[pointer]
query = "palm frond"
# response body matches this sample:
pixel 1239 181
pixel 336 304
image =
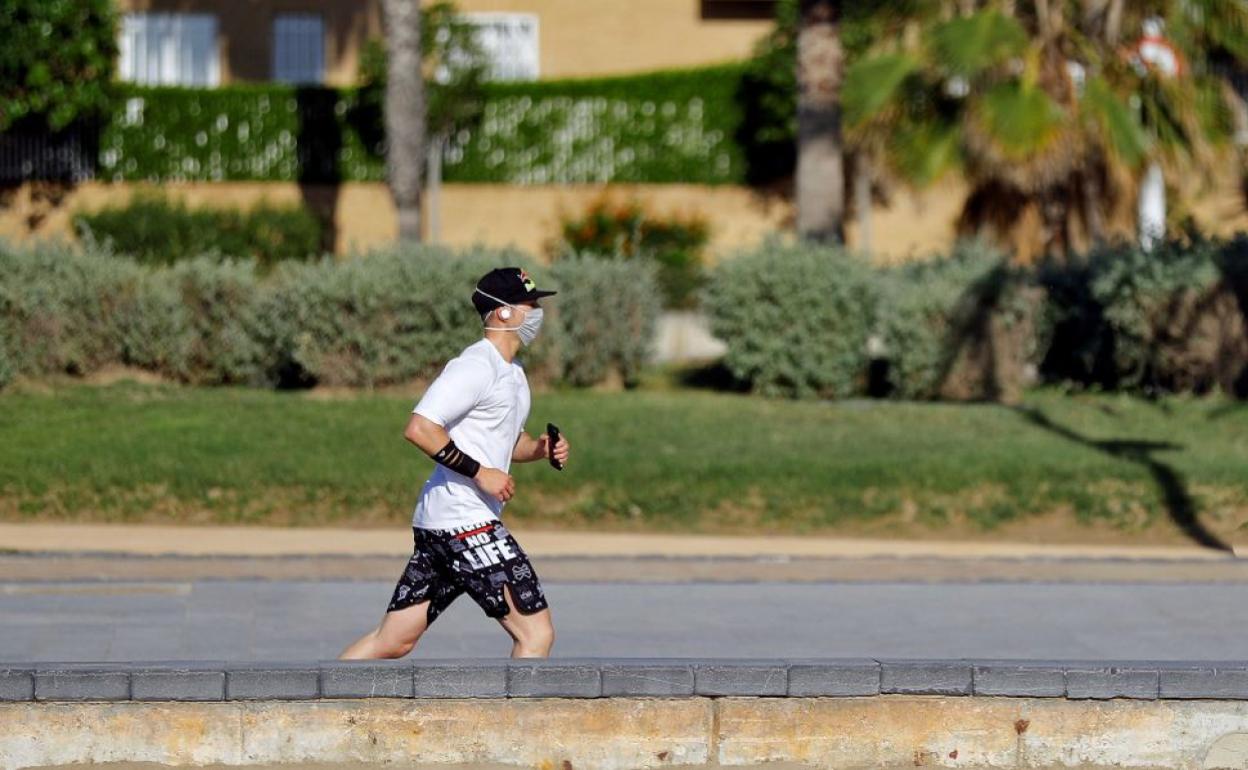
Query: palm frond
pixel 921 153
pixel 1019 118
pixel 872 83
pixel 968 45
pixel 1120 132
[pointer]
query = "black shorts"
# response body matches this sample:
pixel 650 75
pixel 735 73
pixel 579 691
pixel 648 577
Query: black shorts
pixel 478 559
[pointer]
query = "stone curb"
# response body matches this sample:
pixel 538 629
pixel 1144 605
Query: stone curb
pixel 621 677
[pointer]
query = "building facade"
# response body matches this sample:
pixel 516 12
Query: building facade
pixel 216 42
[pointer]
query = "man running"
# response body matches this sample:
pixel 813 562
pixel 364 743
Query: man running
pixel 471 422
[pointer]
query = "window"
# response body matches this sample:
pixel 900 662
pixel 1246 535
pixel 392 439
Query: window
pixel 298 48
pixel 510 42
pixel 170 49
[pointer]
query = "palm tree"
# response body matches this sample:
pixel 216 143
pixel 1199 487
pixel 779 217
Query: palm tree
pixel 1048 116
pixel 820 174
pixel 405 112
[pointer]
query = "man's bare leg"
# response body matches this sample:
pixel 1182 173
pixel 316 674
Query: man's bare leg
pixel 395 637
pixel 532 635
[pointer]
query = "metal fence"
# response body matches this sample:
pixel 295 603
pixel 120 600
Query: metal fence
pixel 32 152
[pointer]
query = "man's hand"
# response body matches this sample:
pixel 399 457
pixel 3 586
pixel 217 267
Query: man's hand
pixel 561 449
pixel 495 483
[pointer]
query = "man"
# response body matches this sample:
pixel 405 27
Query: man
pixel 471 422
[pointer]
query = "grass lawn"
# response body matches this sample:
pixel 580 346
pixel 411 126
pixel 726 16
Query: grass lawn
pixel 652 459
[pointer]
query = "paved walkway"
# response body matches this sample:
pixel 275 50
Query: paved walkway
pixel 79 592
pixel 273 620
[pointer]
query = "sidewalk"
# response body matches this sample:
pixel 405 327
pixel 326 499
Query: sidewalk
pixel 274 541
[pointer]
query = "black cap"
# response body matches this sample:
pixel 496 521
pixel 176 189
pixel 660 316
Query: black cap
pixel 510 284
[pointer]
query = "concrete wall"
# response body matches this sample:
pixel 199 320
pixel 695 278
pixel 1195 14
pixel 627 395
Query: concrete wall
pixel 616 714
pixel 577 38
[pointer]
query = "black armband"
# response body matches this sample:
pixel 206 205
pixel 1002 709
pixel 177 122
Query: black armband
pixel 454 458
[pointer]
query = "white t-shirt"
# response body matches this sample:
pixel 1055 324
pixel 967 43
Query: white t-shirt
pixel 482 401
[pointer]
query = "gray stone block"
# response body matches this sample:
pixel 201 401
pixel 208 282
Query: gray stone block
pixel 833 678
pixel 366 679
pixel 1104 681
pixel 1219 681
pixel 178 681
pixel 726 678
pixel 17 683
pixel 81 681
pixel 460 679
pixel 548 679
pixel 925 677
pixel 272 681
pixel 1019 678
pixel 631 678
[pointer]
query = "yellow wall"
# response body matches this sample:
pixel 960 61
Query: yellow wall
pixel 577 38
pixel 911 225
pixel 595 37
pixel 363 214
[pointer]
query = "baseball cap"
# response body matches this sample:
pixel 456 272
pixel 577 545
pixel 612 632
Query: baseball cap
pixel 509 284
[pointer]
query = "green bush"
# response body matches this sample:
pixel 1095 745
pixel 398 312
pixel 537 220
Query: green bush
pixel 400 314
pixel 57 61
pixel 677 126
pixel 222 341
pixel 961 326
pixel 606 314
pixel 156 230
pixel 1167 320
pixel 796 319
pixel 629 231
pixel 387 317
pixel 61 309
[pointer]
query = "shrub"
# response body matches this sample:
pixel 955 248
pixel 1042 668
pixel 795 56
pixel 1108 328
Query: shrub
pixel 606 314
pixel 795 318
pixel 960 327
pixel 629 231
pixel 218 329
pixel 58 60
pixel 1167 320
pixel 400 314
pixel 159 231
pixel 383 318
pixel 61 309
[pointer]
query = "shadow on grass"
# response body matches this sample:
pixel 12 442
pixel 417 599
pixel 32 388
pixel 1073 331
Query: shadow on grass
pixel 711 376
pixel 1179 503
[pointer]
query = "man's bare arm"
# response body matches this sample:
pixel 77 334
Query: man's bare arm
pixel 528 449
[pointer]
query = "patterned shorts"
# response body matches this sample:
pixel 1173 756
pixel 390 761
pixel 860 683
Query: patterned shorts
pixel 478 559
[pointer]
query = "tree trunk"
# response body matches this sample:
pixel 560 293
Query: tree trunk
pixel 1113 22
pixel 862 201
pixel 820 173
pixel 405 112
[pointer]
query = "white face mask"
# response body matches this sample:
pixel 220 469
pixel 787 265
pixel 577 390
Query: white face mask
pixel 528 328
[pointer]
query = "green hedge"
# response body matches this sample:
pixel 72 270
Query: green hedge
pixel 387 317
pixel 154 229
pixel 808 321
pixel 677 126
